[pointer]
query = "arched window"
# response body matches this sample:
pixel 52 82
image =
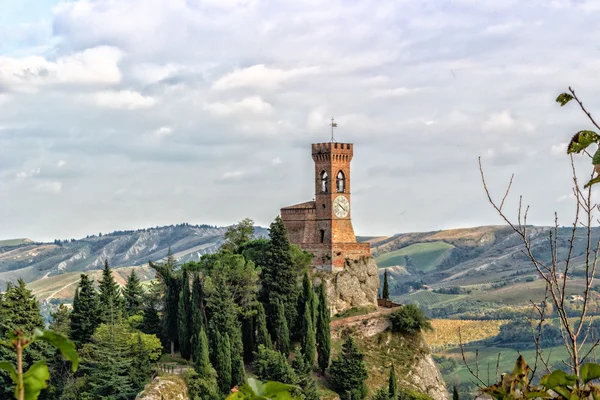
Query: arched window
pixel 322 235
pixel 324 182
pixel 340 182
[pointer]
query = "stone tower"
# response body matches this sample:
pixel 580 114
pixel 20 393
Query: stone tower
pixel 323 226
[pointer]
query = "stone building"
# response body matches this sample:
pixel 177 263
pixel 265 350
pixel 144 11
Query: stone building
pixel 323 226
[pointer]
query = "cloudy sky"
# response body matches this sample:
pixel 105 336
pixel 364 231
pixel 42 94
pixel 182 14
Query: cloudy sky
pixel 122 114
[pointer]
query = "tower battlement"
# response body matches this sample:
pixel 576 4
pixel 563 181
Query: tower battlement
pixel 324 151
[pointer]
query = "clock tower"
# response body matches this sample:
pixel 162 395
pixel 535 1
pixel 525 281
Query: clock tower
pixel 324 226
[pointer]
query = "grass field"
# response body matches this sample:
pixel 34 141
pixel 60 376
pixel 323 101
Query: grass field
pixel 424 256
pixel 427 298
pixel 521 293
pixel 13 242
pixel 445 332
pixel 488 357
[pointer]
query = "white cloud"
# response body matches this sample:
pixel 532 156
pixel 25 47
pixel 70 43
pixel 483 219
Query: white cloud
pixel 233 176
pixel 61 163
pixel 397 92
pixel 163 131
pixel 28 174
pixel 502 29
pixel 276 161
pixel 559 149
pixel 97 65
pixel 124 99
pixel 260 76
pixel 150 73
pixel 49 187
pixel 504 122
pixel 249 105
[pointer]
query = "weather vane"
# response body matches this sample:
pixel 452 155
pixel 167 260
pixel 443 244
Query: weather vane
pixel 333 125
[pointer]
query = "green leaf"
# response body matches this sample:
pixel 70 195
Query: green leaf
pixel 8 367
pixel 596 158
pixel 564 98
pixel 581 140
pixel 35 379
pixel 589 372
pixel 559 381
pixel 66 347
pixel 273 388
pixel 592 182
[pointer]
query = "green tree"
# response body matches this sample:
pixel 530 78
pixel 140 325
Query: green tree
pixel 309 339
pixel 237 235
pixel 271 365
pixel 282 334
pixel 382 394
pixel 61 320
pixel 151 323
pixel 202 387
pixel 109 296
pixel 201 354
pixel 323 330
pixel 133 294
pixel 409 319
pixel 348 372
pixel 305 379
pixel 392 386
pixel 140 368
pixel 222 361
pixel 171 283
pixel 386 289
pixel 84 317
pixel 262 334
pixel 279 277
pixel 184 317
pixel 198 319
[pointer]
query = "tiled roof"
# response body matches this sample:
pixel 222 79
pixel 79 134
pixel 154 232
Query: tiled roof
pixel 306 205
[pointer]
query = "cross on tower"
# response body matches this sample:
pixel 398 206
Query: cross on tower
pixel 333 124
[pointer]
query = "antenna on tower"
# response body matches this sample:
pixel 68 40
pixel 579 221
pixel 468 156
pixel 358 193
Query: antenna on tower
pixel 333 125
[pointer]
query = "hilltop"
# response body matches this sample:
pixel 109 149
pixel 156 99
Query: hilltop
pixel 33 261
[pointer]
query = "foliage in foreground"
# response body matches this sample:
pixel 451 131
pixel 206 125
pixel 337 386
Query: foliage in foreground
pixel 257 390
pixel 409 319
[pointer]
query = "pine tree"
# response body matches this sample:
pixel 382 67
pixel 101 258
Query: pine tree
pixel 305 379
pixel 386 289
pixel 222 362
pixel 323 330
pixel 279 278
pixel 133 294
pixel 140 367
pixel 84 317
pixel 309 339
pixel 262 334
pixel 392 387
pixel 282 334
pixel 184 317
pixel 455 395
pixel 109 296
pixel 271 365
pixel 172 284
pixel 61 320
pixel 348 372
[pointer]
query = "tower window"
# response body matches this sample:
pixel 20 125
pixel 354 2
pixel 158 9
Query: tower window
pixel 324 182
pixel 340 182
pixel 322 235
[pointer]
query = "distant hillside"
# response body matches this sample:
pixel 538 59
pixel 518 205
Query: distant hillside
pixel 30 261
pixel 487 264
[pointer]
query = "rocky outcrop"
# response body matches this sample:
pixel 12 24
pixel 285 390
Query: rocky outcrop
pixel 355 286
pixel 426 377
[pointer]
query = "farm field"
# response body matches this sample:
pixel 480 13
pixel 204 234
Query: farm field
pixel 521 293
pixel 425 256
pixel 488 357
pixel 445 332
pixel 13 242
pixel 427 298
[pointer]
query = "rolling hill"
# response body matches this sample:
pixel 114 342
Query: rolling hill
pixel 30 261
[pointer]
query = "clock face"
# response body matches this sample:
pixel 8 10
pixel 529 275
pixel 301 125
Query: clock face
pixel 341 206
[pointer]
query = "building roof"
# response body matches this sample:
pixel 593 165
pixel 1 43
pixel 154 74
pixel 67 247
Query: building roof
pixel 302 206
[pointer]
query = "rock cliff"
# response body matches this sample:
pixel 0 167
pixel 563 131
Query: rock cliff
pixel 355 286
pixel 168 387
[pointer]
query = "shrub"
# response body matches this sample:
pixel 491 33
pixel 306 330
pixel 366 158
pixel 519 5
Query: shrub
pixel 410 394
pixel 409 319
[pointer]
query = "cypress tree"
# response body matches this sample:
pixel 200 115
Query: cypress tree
pixel 305 300
pixel 262 334
pixel 109 296
pixel 172 285
pixel 323 330
pixel 248 338
pixel 201 355
pixel 309 340
pixel 282 334
pixel 133 294
pixel 197 311
pixel 184 318
pixel 84 317
pixel 305 380
pixel 279 278
pixel 222 362
pixel 392 388
pixel 386 289
pixel 151 320
pixel 348 372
